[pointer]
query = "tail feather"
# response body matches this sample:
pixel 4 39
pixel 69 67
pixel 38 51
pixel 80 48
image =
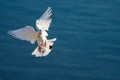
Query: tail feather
pixel 39 52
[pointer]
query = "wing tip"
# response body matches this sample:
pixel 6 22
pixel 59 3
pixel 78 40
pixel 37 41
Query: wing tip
pixel 10 32
pixel 49 8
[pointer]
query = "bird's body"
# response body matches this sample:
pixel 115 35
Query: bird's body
pixel 29 34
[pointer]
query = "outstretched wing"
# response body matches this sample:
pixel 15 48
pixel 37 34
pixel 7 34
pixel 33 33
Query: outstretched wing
pixel 28 33
pixel 44 21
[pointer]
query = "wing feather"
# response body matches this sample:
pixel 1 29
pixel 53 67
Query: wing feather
pixel 44 21
pixel 28 33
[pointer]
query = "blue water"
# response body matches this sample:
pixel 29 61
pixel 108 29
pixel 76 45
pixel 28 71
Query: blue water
pixel 87 46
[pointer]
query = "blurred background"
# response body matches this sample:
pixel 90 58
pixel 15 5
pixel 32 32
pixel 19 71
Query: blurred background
pixel 87 46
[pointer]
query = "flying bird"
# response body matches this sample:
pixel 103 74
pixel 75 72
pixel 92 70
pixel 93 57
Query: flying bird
pixel 29 34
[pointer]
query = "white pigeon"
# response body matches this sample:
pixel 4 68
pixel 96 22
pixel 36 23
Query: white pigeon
pixel 29 34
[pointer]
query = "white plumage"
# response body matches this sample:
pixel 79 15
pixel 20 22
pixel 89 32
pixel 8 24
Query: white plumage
pixel 29 34
pixel 44 21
